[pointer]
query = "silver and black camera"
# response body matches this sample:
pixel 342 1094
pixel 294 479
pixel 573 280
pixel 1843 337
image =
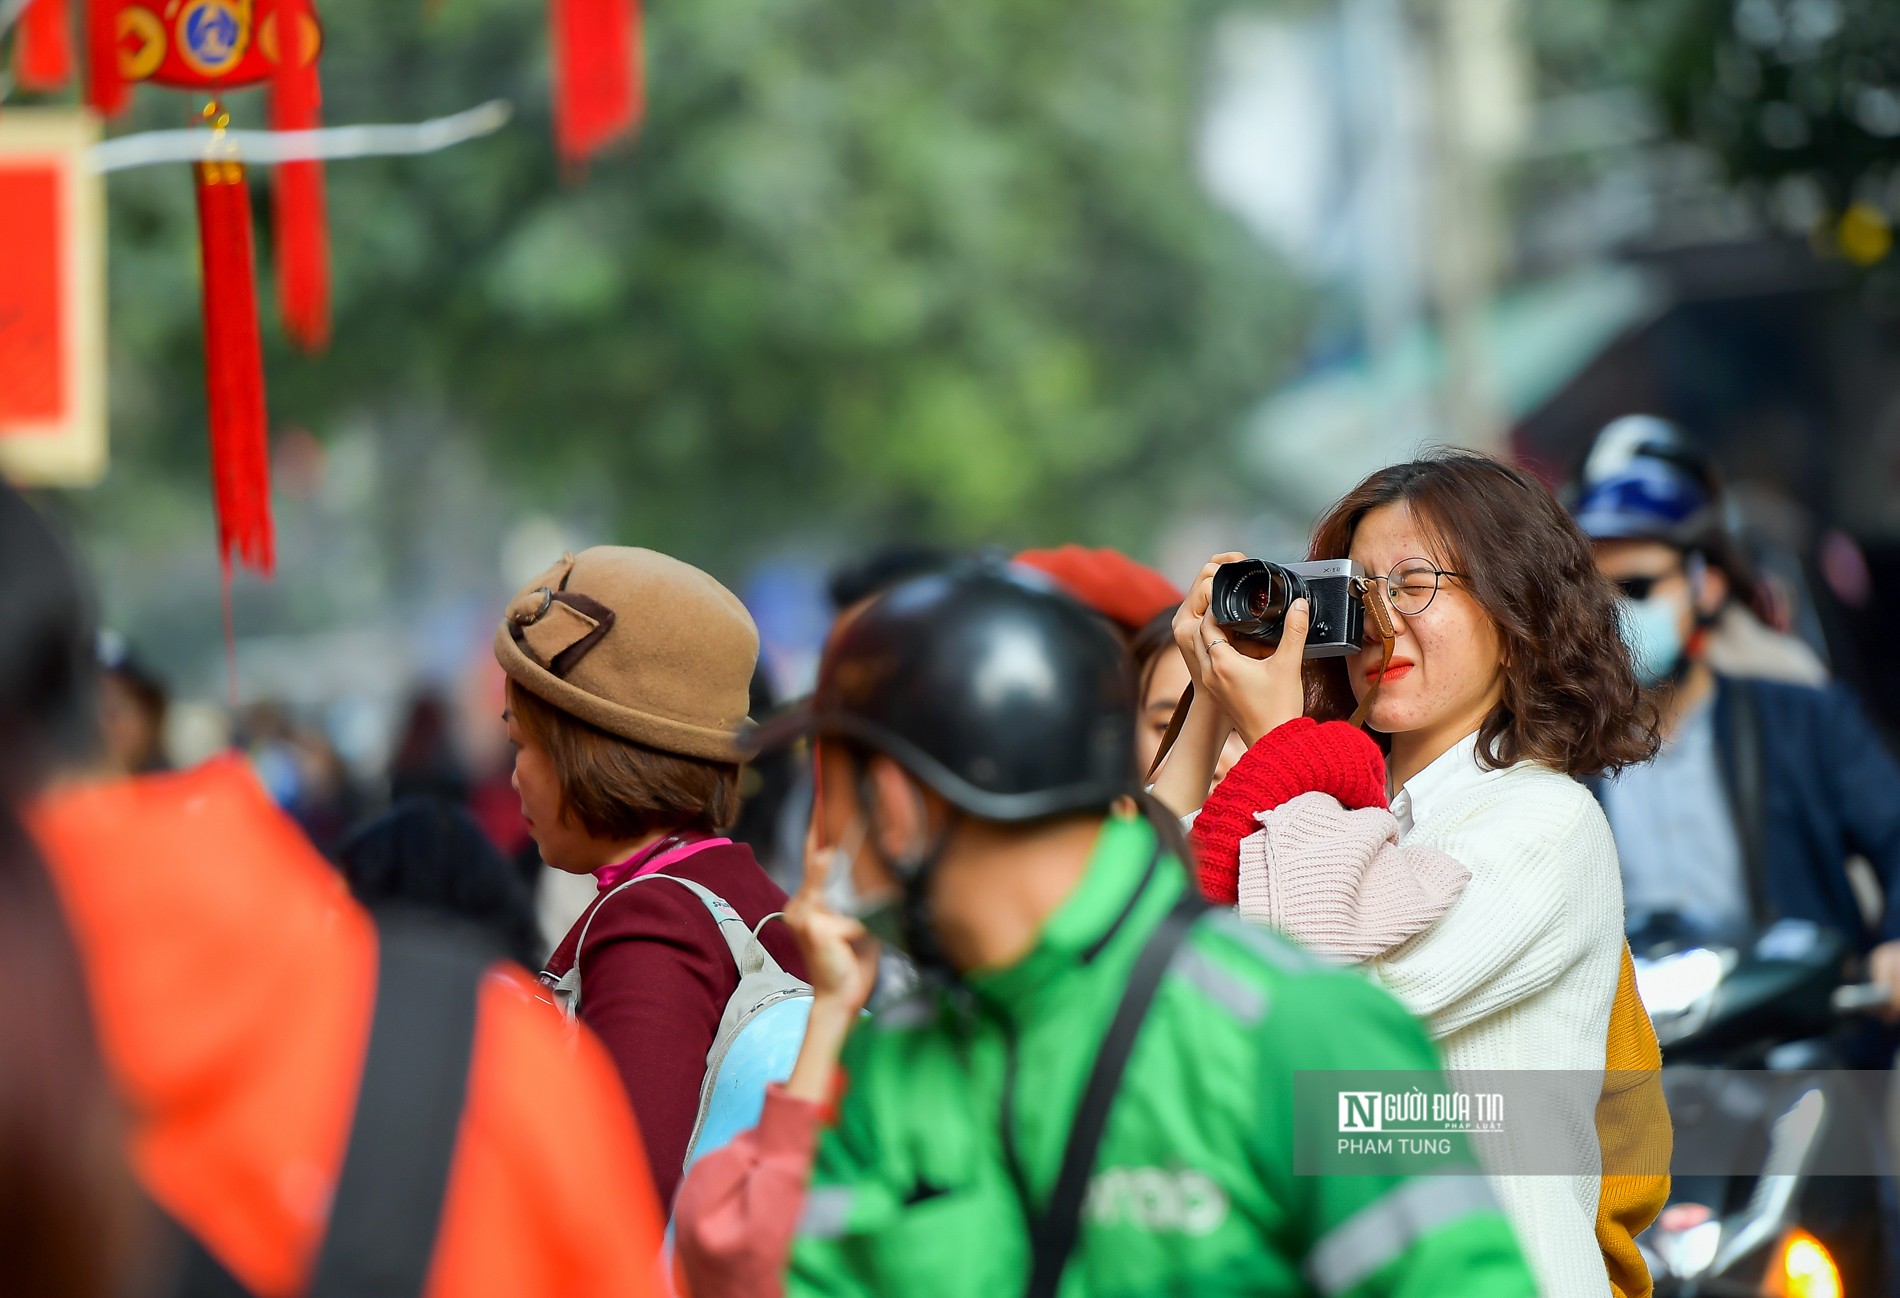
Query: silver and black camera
pixel 1250 599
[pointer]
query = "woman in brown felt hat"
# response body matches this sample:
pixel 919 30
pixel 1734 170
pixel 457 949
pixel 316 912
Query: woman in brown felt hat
pixel 628 675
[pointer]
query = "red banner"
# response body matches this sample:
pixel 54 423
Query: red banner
pixel 52 416
pixel 32 315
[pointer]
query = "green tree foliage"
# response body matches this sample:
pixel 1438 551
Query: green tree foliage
pixel 938 268
pixel 1788 88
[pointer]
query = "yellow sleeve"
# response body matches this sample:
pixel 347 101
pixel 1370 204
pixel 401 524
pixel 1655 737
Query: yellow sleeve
pixel 1634 1132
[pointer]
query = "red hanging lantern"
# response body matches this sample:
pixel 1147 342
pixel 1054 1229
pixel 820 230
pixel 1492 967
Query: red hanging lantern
pixel 106 88
pixel 213 46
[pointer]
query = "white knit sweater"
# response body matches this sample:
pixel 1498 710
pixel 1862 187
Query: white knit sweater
pixel 1501 892
pixel 1521 971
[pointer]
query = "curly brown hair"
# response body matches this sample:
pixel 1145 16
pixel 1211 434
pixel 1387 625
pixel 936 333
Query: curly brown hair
pixel 1571 698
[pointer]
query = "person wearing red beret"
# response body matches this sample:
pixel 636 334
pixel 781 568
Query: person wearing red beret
pixel 1127 593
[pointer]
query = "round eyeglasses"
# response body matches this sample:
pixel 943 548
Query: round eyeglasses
pixel 1412 585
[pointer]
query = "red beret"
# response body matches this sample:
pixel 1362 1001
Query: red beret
pixel 1108 581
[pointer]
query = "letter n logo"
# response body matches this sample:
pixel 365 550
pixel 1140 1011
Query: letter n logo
pixel 1359 1111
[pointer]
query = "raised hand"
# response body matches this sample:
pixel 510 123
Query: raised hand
pixel 840 957
pixel 1258 693
pixel 1193 611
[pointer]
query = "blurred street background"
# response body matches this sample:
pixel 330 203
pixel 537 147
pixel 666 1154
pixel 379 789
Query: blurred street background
pixel 1167 277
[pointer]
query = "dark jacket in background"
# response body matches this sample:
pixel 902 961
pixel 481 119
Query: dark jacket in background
pixel 1811 784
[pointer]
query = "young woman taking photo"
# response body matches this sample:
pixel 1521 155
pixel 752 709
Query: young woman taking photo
pixel 1507 684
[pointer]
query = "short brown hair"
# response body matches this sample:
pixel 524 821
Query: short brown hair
pixel 1571 698
pixel 618 789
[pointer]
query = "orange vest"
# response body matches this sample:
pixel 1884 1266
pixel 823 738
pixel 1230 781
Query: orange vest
pixel 232 979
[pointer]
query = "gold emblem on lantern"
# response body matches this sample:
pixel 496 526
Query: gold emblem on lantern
pixel 141 43
pixel 213 35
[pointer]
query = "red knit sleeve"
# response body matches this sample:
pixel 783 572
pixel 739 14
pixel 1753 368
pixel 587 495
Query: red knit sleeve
pixel 1302 756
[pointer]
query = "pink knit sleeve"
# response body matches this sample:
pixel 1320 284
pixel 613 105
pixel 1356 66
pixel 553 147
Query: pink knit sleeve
pixel 737 1208
pixel 1339 881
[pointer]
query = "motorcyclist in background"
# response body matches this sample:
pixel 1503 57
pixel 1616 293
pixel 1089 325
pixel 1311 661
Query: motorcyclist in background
pixel 1765 788
pixel 1749 636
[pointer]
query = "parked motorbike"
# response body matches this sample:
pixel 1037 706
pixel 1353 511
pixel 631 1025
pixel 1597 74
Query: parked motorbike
pixel 1753 1032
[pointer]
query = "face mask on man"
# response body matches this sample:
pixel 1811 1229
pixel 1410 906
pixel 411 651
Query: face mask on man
pixel 1652 628
pixel 882 913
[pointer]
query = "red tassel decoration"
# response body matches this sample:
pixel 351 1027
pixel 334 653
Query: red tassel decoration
pixel 300 229
pixel 46 45
pixel 302 236
pixel 234 369
pixel 106 89
pixel 598 81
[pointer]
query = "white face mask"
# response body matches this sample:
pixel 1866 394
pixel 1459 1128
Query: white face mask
pixel 882 913
pixel 1651 628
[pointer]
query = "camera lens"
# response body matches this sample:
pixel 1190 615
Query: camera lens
pixel 1265 595
pixel 1251 597
pixel 1262 599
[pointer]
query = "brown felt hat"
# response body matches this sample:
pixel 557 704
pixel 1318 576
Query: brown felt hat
pixel 639 644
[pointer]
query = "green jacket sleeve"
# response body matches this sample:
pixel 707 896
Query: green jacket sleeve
pixel 1388 1233
pixel 843 1175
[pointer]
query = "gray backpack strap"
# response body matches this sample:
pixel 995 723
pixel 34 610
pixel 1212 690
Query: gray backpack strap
pixel 762 982
pixel 756 957
pixel 742 941
pixel 567 988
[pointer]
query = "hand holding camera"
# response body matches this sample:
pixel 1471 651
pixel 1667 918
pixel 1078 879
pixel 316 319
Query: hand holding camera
pixel 1255 600
pixel 1250 671
pixel 1190 620
pixel 1252 598
pixel 1259 693
pixel 1250 624
pixel 1245 630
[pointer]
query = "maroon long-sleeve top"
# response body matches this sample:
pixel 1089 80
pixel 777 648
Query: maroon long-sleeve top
pixel 655 978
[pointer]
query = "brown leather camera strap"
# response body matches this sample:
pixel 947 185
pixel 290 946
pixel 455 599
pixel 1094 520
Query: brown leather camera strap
pixel 1381 618
pixel 1172 733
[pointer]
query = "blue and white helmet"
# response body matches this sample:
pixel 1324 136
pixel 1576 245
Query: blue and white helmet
pixel 1645 479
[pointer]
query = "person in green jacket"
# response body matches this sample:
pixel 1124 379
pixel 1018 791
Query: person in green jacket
pixel 1092 1092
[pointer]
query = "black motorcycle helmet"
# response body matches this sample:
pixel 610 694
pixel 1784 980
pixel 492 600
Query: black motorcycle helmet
pixel 1006 697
